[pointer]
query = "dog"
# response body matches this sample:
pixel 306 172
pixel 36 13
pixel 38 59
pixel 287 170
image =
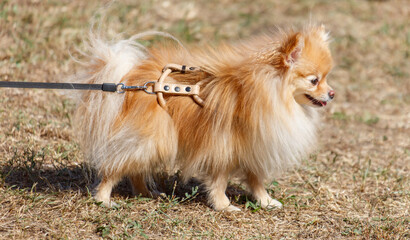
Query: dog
pixel 257 115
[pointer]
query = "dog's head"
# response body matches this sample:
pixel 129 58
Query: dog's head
pixel 304 59
pixel 307 58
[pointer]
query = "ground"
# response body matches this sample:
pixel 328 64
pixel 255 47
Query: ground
pixel 355 185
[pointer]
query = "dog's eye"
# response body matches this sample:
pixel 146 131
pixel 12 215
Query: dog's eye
pixel 314 81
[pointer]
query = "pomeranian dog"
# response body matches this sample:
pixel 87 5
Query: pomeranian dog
pixel 254 113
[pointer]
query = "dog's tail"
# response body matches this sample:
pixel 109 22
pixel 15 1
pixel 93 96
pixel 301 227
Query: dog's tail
pixel 97 111
pixel 104 62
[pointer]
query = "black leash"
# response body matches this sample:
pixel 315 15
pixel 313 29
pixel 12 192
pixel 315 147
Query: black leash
pixel 106 87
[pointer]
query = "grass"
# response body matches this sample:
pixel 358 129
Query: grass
pixel 355 186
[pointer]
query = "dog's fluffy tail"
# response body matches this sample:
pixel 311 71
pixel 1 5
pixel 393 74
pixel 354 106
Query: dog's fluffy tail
pixel 105 62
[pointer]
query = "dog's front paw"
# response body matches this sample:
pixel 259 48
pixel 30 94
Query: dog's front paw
pixel 108 204
pixel 229 208
pixel 105 202
pixel 113 205
pixel 232 208
pixel 270 203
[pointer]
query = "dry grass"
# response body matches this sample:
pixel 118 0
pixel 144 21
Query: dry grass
pixel 356 186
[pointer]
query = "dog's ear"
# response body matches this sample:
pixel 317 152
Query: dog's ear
pixel 284 54
pixel 291 49
pixel 323 34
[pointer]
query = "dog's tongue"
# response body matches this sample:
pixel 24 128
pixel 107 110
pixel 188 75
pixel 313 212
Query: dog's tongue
pixel 323 103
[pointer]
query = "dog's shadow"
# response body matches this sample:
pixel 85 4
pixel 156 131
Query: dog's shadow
pixel 32 176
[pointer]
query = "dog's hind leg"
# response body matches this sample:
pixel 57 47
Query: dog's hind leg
pixel 139 185
pixel 142 186
pixel 104 189
pixel 259 192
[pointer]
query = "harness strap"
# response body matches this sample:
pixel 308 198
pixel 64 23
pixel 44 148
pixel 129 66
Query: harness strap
pixel 162 87
pixel 176 89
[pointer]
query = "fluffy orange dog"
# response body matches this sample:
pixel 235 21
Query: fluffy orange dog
pixel 258 118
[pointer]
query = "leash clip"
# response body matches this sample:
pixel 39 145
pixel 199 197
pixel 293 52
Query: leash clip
pixel 121 87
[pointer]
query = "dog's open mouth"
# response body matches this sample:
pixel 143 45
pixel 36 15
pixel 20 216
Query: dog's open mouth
pixel 315 101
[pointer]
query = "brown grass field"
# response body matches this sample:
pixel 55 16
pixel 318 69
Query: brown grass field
pixel 354 186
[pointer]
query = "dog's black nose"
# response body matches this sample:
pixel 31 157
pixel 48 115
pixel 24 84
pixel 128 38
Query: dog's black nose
pixel 331 94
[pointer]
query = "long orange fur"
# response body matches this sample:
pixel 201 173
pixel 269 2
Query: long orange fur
pixel 257 120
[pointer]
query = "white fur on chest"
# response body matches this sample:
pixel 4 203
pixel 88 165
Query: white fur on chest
pixel 284 137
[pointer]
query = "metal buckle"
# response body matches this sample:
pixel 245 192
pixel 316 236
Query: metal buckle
pixel 146 87
pixel 120 89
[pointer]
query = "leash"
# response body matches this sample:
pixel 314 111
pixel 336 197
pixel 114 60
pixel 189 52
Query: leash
pixel 106 87
pixel 159 87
